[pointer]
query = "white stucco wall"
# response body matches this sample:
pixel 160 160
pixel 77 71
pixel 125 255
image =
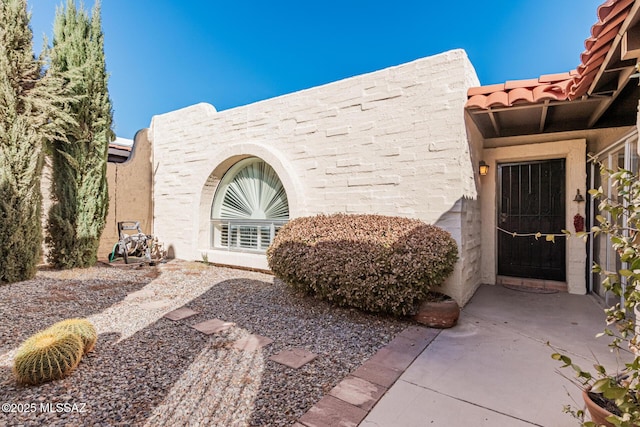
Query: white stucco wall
pixel 391 142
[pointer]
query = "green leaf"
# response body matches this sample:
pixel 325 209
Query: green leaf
pixel 626 273
pixel 561 357
pixel 601 385
pixel 615 393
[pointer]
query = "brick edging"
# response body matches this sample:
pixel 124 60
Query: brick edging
pixel 349 402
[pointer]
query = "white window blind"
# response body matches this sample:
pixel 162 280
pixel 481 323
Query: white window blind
pixel 249 208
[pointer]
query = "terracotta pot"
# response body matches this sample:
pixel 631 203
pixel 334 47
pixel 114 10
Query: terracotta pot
pixel 438 314
pixel 598 414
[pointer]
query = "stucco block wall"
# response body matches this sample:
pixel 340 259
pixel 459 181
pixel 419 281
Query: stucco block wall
pixel 130 186
pixel 391 142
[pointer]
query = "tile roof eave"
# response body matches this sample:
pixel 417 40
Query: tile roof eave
pixel 572 85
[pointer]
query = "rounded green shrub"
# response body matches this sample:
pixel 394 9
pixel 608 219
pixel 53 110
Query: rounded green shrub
pixel 46 356
pixel 81 327
pixel 372 262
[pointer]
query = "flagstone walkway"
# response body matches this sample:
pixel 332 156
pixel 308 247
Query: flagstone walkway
pixel 348 403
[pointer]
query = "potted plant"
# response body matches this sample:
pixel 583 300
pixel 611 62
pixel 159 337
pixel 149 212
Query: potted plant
pixel 613 398
pixel 438 311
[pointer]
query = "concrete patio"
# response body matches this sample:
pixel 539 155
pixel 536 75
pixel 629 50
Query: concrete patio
pixel 494 368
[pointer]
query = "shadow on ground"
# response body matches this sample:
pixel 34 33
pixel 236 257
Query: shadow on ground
pixel 170 374
pixel 27 309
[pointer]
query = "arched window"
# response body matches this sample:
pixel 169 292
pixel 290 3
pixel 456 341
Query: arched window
pixel 249 207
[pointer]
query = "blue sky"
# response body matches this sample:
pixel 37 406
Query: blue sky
pixel 163 55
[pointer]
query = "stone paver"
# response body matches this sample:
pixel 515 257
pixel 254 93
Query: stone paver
pixel 333 412
pixel 393 358
pixel 378 374
pixel 180 314
pixel 294 358
pixel 358 392
pixel 252 343
pixel 213 326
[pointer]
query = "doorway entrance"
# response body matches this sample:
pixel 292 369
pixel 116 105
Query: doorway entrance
pixel 531 200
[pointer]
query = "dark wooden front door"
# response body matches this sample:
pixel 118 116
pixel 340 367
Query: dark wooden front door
pixel 531 200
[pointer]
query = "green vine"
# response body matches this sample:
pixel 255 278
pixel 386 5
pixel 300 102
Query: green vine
pixel 620 221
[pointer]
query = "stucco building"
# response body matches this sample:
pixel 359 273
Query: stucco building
pixel 409 140
pixel 392 142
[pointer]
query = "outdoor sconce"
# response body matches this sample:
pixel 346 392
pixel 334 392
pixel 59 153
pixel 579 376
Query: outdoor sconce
pixel 483 168
pixel 578 197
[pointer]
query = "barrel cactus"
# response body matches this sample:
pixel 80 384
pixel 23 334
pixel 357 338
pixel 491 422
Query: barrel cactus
pixel 46 356
pixel 81 327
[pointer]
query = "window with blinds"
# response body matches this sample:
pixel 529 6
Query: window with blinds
pixel 249 208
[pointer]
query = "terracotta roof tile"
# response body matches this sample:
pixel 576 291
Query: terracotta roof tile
pixel 520 94
pixel 498 99
pixel 523 91
pixel 549 92
pixel 477 101
pixel 484 90
pixel 549 78
pixel 605 9
pixel 570 85
pixel 593 44
pixel 514 84
pixel 120 147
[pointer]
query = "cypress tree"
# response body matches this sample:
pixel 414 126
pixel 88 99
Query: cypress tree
pixel 28 116
pixel 80 194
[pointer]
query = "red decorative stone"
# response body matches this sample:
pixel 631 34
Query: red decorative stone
pixel 294 358
pixel 252 343
pixel 213 326
pixel 180 314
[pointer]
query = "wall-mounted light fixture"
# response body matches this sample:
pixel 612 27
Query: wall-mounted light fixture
pixel 483 168
pixel 578 197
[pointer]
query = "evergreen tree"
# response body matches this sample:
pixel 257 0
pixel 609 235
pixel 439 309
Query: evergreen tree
pixel 28 117
pixel 79 160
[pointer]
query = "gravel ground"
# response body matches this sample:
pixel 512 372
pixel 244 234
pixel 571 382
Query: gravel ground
pixel 150 371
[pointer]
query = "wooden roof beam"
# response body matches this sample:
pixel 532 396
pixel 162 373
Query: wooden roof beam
pixel 543 115
pixel 623 79
pixel 494 122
